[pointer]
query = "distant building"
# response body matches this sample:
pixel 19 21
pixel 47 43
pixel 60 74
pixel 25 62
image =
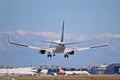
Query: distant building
pixel 113 69
pixel 98 69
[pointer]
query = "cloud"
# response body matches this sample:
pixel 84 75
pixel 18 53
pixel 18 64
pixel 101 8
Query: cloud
pixel 107 36
pixel 97 36
pixel 68 37
pixel 2 47
pixel 44 34
pixel 21 32
pixel 50 35
pixel 82 37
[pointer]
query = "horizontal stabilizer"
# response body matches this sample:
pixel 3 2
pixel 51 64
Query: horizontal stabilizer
pixel 73 43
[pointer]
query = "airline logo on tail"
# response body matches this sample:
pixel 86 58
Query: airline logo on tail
pixel 62 71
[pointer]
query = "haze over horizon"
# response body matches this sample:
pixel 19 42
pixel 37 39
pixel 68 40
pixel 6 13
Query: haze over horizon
pixel 33 21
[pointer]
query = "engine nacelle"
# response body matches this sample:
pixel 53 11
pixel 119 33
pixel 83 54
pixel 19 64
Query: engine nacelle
pixel 42 51
pixel 71 53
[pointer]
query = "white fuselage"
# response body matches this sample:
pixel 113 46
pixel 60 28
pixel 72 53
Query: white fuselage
pixel 77 73
pixel 27 70
pixel 73 72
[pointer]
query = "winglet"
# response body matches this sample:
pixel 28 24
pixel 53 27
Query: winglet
pixel 8 39
pixel 62 36
pixel 110 42
pixel 16 43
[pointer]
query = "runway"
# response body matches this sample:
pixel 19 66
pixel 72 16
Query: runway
pixel 92 77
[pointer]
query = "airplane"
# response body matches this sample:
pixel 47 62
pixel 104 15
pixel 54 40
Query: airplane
pixel 63 72
pixel 59 46
pixel 20 71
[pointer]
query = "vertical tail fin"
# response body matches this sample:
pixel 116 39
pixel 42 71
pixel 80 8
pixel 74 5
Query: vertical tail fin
pixel 61 70
pixel 62 36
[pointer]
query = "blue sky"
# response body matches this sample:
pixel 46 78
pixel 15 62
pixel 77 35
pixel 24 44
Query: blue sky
pixel 82 17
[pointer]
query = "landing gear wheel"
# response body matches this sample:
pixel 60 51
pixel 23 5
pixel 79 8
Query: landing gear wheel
pixel 49 55
pixel 66 56
pixel 53 54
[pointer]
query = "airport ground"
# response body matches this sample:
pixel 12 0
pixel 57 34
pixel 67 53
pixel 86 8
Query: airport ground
pixel 92 77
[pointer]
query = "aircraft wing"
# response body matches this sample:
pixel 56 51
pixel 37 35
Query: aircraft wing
pixel 32 47
pixel 67 50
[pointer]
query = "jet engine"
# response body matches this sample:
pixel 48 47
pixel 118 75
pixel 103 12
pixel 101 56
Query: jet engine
pixel 71 53
pixel 42 51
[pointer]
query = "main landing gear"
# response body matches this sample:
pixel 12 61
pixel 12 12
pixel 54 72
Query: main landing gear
pixel 50 55
pixel 66 56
